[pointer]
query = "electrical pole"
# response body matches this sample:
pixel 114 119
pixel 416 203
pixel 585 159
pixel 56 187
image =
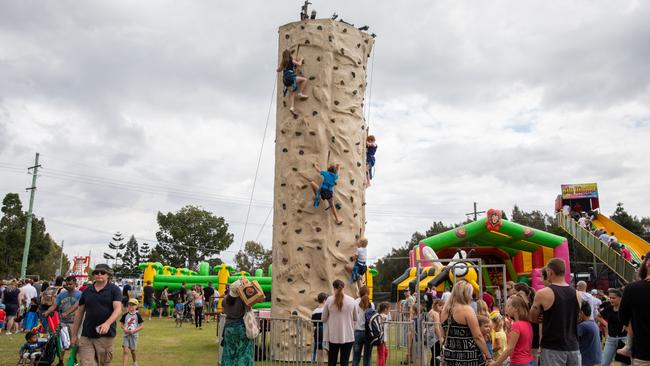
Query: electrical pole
pixel 60 270
pixel 28 229
pixel 475 213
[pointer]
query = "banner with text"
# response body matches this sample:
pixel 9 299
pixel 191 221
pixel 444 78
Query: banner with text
pixel 577 191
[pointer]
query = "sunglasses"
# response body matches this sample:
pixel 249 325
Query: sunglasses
pixel 99 273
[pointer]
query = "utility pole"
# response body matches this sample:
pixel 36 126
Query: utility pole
pixel 60 270
pixel 28 229
pixel 475 213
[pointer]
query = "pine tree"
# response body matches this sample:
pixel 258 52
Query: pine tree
pixel 118 246
pixel 145 252
pixel 131 257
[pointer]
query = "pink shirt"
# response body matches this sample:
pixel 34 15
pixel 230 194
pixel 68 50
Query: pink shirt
pixel 340 323
pixel 522 355
pixel 626 254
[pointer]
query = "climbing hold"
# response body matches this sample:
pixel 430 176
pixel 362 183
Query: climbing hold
pixel 298 231
pixel 358 143
pixel 361 105
pixel 334 265
pixel 338 206
pixel 336 67
pixel 302 27
pixel 342 51
pixel 342 82
pixel 345 30
pixel 301 152
pixel 294 313
pixel 284 223
pixel 352 110
pixel 303 186
pixel 338 242
pixel 352 199
pixel 286 36
pixel 289 279
pixel 318 247
pixel 308 265
pixel 285 150
pixel 318 58
pixel 322 279
pixel 283 184
pixel 295 115
pixel 312 133
pixel 284 242
pixel 331 38
pixel 366 41
pixel 351 259
pixel 318 230
pixel 333 139
pixel 358 45
pixel 346 150
pixel 356 236
pixel 300 249
pixel 284 103
pixel 285 260
pixel 358 164
pixel 282 132
pixel 352 181
pixel 354 92
pixel 320 27
pixel 312 78
pixel 307 42
pixel 360 86
pixel 278 300
pixel 299 211
pixel 336 102
pixel 294 169
pixel 354 75
pixel 355 215
pixel 302 292
pixel 332 120
pixel 284 206
pixel 363 204
pixel 298 133
pixel 359 62
pixel 314 113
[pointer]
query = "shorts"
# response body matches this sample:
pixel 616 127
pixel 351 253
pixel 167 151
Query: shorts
pixel 326 194
pixel 95 351
pixel 148 304
pixel 31 355
pixel 358 270
pixel 11 309
pixel 289 79
pixel 163 303
pixel 130 341
pixel 551 357
pixel 2 325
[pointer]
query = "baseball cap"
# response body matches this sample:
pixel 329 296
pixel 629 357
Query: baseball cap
pixel 134 301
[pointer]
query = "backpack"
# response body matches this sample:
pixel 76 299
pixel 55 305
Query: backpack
pixel 374 328
pixel 48 297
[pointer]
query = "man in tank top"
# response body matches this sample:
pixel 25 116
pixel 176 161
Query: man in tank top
pixel 557 307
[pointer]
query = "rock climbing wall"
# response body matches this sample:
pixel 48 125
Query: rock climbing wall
pixel 309 249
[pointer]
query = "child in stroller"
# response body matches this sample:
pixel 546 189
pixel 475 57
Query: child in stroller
pixel 36 352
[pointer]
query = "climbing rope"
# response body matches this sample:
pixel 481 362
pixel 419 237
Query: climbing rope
pixel 259 159
pixel 257 238
pixel 372 71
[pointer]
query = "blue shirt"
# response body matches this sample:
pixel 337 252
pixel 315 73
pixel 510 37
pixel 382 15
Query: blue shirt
pixel 65 300
pixel 589 339
pixel 329 179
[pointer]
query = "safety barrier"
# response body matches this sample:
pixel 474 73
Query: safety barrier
pixel 293 341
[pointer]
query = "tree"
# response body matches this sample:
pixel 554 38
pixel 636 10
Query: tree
pixel 253 256
pixel 12 238
pixel 118 246
pixel 145 252
pixel 190 235
pixel 628 221
pixel 48 266
pixel 131 257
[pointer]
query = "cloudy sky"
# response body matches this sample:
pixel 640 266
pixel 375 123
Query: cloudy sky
pixel 144 106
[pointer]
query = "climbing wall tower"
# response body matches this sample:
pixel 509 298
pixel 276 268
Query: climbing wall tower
pixel 309 249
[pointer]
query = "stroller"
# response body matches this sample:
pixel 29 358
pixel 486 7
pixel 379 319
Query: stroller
pixel 52 348
pixel 187 312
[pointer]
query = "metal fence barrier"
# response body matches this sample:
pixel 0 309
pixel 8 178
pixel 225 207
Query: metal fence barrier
pixel 293 341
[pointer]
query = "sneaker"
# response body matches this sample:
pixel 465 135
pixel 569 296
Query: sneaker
pixel 8 333
pixel 303 96
pixel 135 364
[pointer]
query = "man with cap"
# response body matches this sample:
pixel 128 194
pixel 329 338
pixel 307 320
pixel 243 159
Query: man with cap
pixel 101 304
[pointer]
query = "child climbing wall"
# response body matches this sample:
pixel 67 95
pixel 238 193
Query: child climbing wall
pixel 310 250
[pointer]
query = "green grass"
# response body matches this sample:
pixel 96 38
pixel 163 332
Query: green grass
pixel 160 343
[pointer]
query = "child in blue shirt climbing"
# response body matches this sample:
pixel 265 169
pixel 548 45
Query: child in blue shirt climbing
pixel 326 189
pixel 358 268
pixel 371 149
pixel 290 79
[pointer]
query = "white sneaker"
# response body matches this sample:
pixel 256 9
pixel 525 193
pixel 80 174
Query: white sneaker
pixel 135 364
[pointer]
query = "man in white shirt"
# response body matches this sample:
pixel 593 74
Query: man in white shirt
pixel 28 292
pixel 594 302
pixel 612 238
pixel 604 238
pixel 582 221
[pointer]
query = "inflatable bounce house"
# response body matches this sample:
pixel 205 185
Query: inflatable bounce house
pixel 161 275
pixel 523 250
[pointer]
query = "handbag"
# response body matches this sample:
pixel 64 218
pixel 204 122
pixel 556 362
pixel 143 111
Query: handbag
pixel 252 328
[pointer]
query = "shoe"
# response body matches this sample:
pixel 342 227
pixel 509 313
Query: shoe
pixel 8 333
pixel 135 364
pixel 303 96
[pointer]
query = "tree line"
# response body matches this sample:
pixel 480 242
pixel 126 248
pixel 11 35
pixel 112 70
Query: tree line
pixel 44 252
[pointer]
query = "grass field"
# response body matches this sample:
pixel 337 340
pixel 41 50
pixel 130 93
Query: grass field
pixel 160 343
